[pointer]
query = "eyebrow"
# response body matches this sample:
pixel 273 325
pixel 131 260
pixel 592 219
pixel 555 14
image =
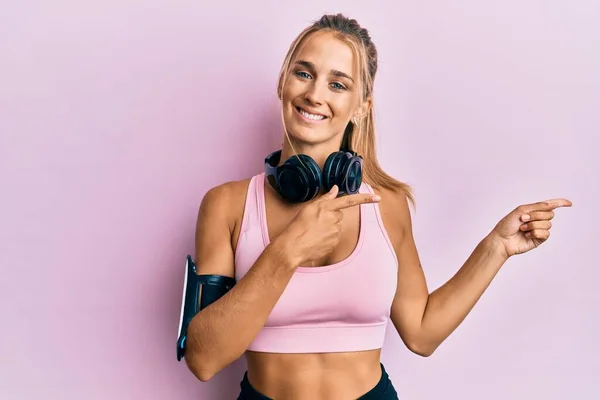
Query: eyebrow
pixel 334 72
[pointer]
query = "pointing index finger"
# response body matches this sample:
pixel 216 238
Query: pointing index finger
pixel 556 203
pixel 352 200
pixel 548 205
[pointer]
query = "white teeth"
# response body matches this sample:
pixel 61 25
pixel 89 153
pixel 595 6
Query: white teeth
pixel 311 116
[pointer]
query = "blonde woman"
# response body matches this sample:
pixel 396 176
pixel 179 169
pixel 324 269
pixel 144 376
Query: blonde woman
pixel 301 267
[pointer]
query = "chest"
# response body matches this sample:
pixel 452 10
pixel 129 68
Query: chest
pixel 279 216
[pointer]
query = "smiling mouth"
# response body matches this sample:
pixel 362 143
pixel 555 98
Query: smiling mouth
pixel 309 116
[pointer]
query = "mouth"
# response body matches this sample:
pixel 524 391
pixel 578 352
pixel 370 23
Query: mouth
pixel 310 116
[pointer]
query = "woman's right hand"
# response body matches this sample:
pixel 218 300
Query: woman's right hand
pixel 315 230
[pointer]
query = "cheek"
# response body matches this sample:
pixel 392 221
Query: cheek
pixel 342 108
pixel 290 90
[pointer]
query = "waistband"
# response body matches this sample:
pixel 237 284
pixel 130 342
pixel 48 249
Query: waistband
pixel 383 390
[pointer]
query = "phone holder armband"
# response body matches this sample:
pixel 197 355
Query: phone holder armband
pixel 199 291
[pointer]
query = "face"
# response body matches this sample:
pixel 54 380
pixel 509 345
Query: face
pixel 321 93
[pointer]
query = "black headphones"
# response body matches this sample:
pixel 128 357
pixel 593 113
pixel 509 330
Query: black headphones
pixel 300 179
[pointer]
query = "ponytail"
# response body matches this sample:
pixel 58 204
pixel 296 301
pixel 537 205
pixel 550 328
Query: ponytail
pixel 361 138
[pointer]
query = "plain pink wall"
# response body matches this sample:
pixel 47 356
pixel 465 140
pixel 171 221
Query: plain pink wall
pixel 117 117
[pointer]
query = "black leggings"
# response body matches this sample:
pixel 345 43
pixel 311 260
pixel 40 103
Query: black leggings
pixel 383 390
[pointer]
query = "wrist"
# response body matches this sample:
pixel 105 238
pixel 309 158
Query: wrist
pixel 495 246
pixel 283 251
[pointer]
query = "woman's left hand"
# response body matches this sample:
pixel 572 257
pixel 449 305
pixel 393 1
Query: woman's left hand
pixel 526 227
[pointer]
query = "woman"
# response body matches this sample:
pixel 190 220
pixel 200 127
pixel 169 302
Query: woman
pixel 321 265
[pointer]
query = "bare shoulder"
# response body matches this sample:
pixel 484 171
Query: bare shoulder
pixel 218 216
pixel 395 213
pixel 223 202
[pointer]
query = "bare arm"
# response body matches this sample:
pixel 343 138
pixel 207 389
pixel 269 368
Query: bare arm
pixel 220 333
pixel 425 320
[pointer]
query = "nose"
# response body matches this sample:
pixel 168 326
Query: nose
pixel 315 94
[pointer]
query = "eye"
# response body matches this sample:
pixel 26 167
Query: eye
pixel 338 86
pixel 303 74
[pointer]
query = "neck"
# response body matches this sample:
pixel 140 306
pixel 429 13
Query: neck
pixel 318 152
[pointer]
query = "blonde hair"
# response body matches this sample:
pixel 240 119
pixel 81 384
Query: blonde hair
pixel 359 135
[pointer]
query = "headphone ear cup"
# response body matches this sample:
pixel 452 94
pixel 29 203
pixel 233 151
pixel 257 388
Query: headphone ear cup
pixel 299 179
pixel 332 170
pixel 352 174
pixel 343 169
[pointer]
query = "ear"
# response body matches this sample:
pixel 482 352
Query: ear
pixel 362 111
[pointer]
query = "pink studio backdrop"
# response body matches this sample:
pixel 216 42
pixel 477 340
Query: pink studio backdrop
pixel 117 117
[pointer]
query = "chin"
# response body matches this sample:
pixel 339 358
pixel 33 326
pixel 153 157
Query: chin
pixel 304 133
pixel 308 136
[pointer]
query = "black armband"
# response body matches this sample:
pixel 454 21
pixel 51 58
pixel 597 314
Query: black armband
pixel 199 291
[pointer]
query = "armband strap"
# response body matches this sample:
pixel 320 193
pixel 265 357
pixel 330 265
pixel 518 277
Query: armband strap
pixel 199 291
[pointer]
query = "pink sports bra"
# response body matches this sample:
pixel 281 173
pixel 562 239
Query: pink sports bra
pixel 340 307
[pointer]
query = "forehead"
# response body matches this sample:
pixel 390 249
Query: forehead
pixel 327 52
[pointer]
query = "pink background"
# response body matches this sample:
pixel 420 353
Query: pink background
pixel 117 117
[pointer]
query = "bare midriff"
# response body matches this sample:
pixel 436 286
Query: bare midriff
pixel 328 376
